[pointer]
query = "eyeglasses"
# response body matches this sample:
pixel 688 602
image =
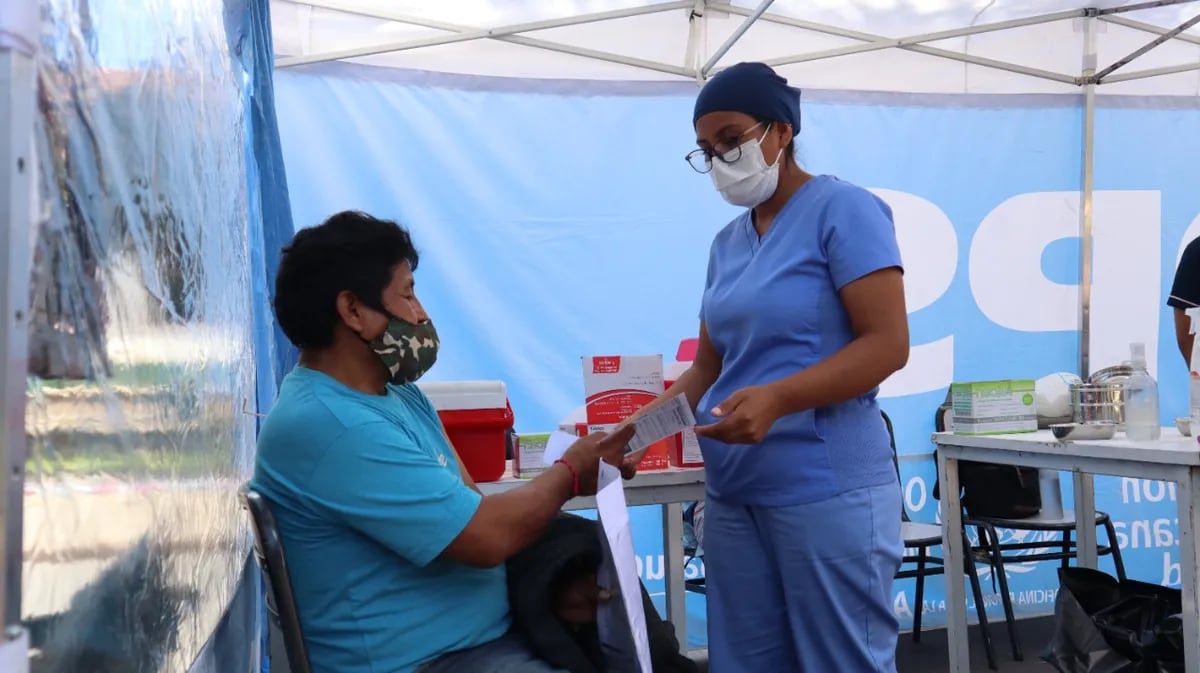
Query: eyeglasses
pixel 727 151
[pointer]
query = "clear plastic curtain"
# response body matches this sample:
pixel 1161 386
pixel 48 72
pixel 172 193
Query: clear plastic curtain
pixel 141 363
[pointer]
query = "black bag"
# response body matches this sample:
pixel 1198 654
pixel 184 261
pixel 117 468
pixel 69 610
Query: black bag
pixel 991 491
pixel 1105 626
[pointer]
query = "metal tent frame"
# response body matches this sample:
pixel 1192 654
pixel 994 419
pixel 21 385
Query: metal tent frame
pixel 18 78
pixel 700 9
pixel 1088 79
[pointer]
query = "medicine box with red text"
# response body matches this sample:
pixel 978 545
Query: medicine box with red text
pixel 616 386
pixel 657 456
pixel 477 417
pixel 684 446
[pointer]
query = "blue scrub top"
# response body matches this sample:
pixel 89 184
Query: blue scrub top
pixel 772 308
pixel 367 495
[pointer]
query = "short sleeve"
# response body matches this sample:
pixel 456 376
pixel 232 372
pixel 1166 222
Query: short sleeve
pixel 376 480
pixel 426 404
pixel 859 236
pixel 1185 291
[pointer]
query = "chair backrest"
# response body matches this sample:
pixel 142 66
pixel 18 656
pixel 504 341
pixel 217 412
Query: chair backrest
pixel 895 462
pixel 280 600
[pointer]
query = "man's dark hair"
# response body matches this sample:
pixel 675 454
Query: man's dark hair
pixel 351 251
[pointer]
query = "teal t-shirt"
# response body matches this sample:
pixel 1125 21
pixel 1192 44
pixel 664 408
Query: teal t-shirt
pixel 367 494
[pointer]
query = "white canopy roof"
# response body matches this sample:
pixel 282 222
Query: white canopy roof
pixel 937 46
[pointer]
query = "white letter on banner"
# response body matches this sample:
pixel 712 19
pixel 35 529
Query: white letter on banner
pixel 929 250
pixel 1006 263
pixel 1127 300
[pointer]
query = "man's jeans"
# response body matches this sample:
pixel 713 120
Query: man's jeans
pixel 507 654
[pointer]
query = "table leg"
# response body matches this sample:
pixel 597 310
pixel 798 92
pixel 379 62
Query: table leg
pixel 1189 553
pixel 1085 521
pixel 952 545
pixel 674 576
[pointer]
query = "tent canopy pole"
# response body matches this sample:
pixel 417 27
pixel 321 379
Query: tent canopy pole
pixel 875 43
pixel 502 33
pixel 17 94
pixel 1086 196
pixel 1152 4
pixel 872 42
pixel 735 36
pixel 1140 51
pixel 1126 22
pixel 886 42
pixel 1151 72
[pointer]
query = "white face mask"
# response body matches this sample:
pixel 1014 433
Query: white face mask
pixel 748 181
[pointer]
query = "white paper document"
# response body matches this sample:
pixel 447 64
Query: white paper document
pixel 620 565
pixel 556 445
pixel 669 419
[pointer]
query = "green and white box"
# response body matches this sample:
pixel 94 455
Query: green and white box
pixel 531 451
pixel 993 407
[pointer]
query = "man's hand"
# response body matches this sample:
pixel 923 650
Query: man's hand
pixel 577 602
pixel 745 417
pixel 584 456
pixel 629 464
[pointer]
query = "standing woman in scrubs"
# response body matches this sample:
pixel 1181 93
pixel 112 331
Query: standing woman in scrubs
pixel 802 318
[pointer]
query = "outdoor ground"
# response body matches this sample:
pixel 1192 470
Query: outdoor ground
pixel 930 656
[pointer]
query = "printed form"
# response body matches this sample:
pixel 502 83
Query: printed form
pixel 669 419
pixel 620 564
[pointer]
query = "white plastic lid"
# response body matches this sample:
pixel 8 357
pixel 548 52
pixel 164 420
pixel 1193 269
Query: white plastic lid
pixel 465 395
pixel 675 370
pixel 1137 353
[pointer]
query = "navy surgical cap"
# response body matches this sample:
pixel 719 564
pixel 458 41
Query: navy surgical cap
pixel 753 89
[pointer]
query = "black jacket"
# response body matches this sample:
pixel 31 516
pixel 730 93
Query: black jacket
pixel 568 542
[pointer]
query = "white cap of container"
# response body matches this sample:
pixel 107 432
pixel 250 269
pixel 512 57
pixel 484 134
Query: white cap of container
pixel 1137 354
pixel 465 395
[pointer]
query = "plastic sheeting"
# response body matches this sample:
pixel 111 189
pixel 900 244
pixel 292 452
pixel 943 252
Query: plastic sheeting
pixel 141 364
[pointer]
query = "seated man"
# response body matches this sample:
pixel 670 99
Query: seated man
pixel 396 559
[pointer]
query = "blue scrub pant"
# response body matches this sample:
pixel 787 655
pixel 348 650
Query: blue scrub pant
pixel 804 588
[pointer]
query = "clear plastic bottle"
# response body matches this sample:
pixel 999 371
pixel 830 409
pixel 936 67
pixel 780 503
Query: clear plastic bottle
pixel 1141 399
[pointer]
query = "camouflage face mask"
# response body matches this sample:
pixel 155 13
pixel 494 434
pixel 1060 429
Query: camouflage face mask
pixel 407 350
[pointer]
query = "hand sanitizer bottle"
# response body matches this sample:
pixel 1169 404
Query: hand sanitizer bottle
pixel 1141 399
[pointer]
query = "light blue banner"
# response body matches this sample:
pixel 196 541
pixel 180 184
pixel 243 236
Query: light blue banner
pixel 562 221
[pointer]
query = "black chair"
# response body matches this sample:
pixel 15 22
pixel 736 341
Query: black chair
pixel 921 537
pixel 280 600
pixel 1062 550
pixel 696 585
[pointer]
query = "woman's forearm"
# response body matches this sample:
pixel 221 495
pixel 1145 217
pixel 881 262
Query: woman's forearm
pixel 692 383
pixel 857 368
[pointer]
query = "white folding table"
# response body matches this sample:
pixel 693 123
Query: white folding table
pixel 1172 458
